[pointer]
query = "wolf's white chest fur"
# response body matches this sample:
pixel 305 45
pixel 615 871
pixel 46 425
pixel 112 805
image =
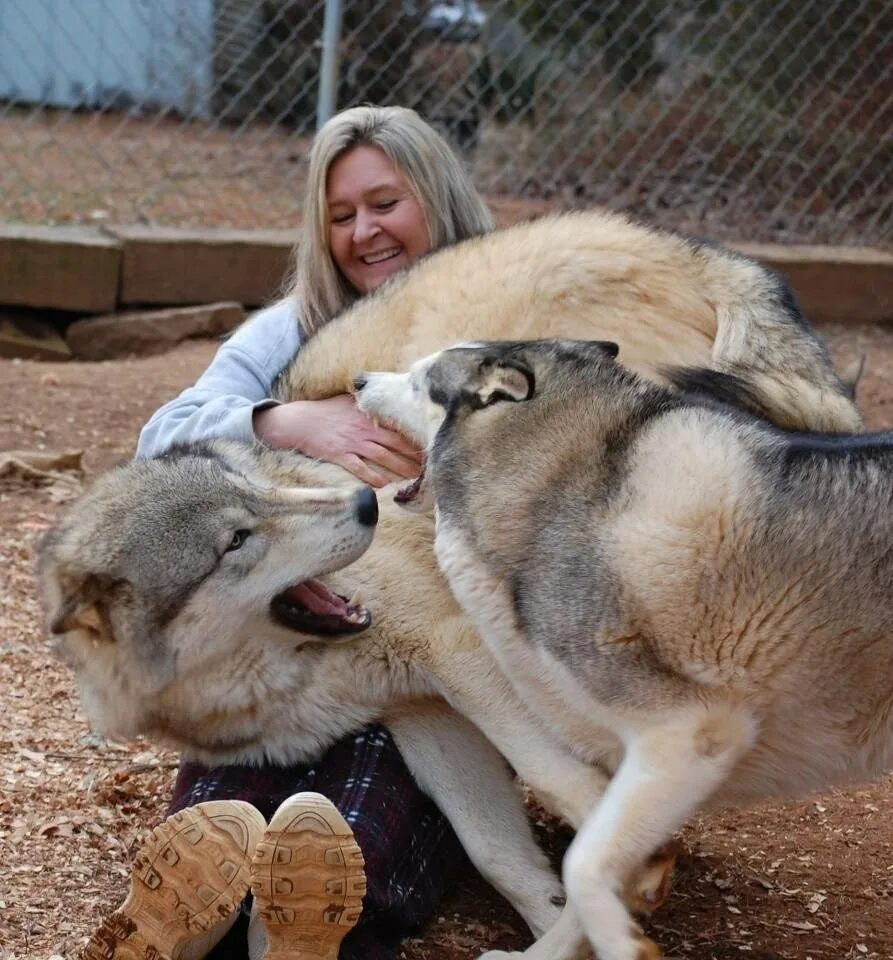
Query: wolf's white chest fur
pixel 541 680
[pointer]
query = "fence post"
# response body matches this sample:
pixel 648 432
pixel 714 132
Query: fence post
pixel 328 70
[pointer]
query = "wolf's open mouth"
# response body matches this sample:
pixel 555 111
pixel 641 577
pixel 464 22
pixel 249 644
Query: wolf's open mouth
pixel 311 607
pixel 409 491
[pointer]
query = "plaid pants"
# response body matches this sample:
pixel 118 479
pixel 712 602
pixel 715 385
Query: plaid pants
pixel 410 850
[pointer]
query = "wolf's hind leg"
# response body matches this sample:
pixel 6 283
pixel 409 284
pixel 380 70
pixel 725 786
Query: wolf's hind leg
pixel 668 771
pixel 472 784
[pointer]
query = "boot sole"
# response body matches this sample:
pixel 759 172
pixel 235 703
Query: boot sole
pixel 308 880
pixel 191 873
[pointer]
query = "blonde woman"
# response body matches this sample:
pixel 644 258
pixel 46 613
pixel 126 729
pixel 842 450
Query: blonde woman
pixel 384 189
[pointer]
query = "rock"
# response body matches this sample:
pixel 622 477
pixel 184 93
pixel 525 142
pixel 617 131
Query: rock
pixel 148 332
pixel 30 338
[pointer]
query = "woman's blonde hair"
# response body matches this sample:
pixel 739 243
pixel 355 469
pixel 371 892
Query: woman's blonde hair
pixel 452 207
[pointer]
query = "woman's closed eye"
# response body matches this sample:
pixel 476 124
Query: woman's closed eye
pixel 380 206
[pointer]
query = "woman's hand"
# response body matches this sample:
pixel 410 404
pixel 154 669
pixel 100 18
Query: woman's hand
pixel 336 431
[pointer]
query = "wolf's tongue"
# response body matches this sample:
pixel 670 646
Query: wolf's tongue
pixel 311 607
pixel 317 598
pixel 409 491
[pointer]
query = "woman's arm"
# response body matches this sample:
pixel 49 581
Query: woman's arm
pixel 336 431
pixel 238 381
pixel 231 401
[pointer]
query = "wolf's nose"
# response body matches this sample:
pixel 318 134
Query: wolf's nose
pixel 359 382
pixel 366 505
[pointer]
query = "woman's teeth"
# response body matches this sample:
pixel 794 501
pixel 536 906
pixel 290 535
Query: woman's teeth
pixel 373 258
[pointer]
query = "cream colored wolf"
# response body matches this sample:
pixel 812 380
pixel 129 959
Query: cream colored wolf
pixel 711 590
pixel 663 298
pixel 185 591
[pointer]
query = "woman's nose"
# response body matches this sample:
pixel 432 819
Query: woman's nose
pixel 365 226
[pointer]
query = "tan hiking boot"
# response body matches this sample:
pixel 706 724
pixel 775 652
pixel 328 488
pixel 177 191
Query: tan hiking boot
pixel 308 882
pixel 187 881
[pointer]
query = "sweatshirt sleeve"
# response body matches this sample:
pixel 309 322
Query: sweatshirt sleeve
pixel 237 382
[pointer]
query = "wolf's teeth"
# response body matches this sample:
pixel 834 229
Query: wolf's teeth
pixel 356 599
pixel 358 615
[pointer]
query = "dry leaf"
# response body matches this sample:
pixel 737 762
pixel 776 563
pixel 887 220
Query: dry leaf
pixel 60 828
pixel 815 901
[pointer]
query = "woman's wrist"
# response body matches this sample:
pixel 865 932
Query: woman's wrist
pixel 275 425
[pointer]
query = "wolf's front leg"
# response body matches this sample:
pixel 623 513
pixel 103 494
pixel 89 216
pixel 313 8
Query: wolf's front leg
pixel 469 780
pixel 563 941
pixel 561 781
pixel 670 768
pixel 475 686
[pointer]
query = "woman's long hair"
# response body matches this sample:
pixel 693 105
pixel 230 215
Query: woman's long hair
pixel 452 207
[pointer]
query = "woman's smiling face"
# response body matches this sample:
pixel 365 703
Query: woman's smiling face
pixel 376 223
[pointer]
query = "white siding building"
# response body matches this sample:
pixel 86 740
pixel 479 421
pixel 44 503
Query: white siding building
pixel 111 53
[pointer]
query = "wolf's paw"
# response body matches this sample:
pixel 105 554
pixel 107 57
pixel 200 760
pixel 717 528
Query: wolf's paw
pixel 649 887
pixel 648 949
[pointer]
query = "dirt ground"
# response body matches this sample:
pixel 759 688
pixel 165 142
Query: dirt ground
pixel 64 167
pixel 163 171
pixel 804 880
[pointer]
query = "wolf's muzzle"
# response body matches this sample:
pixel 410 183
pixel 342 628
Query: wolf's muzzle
pixel 366 506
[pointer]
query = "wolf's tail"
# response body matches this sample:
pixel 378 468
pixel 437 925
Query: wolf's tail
pixel 764 342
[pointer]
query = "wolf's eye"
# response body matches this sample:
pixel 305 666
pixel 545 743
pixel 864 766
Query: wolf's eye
pixel 239 537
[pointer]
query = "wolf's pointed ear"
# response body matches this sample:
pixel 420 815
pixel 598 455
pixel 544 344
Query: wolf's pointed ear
pixel 82 608
pixel 609 347
pixel 500 380
pixel 852 374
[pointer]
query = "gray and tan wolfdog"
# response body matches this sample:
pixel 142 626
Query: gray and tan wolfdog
pixel 209 599
pixel 712 591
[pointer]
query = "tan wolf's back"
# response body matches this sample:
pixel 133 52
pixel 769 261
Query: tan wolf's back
pixel 591 276
pixel 586 276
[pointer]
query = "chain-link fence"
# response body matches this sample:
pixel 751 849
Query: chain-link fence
pixel 758 119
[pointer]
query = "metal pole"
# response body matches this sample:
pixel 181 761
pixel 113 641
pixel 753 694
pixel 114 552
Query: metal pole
pixel 328 69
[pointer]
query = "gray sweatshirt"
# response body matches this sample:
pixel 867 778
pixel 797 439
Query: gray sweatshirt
pixel 237 382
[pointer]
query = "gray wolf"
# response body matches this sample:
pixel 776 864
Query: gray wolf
pixel 709 590
pixel 211 599
pixel 226 599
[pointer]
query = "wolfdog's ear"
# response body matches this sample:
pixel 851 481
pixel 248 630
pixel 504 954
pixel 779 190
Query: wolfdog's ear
pixel 82 607
pixel 500 380
pixel 852 374
pixel 609 347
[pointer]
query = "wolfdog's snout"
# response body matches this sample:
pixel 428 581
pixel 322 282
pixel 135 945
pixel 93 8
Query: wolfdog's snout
pixel 366 506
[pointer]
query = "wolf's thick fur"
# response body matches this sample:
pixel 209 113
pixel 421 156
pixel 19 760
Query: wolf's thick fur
pixel 665 299
pixel 171 635
pixel 711 590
